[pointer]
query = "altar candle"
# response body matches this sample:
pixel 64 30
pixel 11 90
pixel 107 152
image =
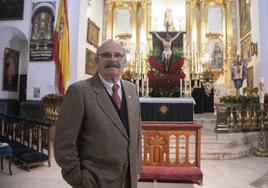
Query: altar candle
pixel 147 86
pixel 180 87
pixel 190 87
pixel 138 84
pixel 185 87
pixel 261 89
pixel 142 85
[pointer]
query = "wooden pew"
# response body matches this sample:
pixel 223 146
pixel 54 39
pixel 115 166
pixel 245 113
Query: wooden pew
pixel 28 138
pixel 171 151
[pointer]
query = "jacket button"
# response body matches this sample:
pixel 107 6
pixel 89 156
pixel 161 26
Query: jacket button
pixel 125 165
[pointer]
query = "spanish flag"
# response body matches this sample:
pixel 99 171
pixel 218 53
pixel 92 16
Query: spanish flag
pixel 61 48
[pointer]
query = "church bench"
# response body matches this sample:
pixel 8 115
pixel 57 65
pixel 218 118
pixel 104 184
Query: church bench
pixel 172 173
pixel 6 151
pixel 171 151
pixel 29 139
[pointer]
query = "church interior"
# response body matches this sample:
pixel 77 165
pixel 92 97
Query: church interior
pixel 199 67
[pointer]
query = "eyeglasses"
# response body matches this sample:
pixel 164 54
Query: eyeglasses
pixel 108 56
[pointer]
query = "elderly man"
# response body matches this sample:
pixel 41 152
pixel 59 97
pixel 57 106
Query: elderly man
pixel 97 140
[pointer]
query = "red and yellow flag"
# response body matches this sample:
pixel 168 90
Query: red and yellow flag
pixel 61 48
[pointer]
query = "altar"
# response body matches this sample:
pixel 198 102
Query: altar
pixel 165 109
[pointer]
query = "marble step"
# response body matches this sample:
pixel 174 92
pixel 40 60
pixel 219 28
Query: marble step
pixel 238 152
pixel 206 121
pixel 218 144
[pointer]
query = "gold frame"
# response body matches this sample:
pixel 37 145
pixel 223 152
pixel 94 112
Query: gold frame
pixel 90 64
pixel 250 77
pixel 246 53
pixel 244 16
pixel 11 61
pixel 93 33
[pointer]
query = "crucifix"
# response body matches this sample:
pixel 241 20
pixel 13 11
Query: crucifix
pixel 167 25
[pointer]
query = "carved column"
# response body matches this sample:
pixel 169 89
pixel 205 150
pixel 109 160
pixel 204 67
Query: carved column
pixel 135 31
pixel 109 12
pixel 203 27
pixel 230 50
pixel 194 33
pixel 189 34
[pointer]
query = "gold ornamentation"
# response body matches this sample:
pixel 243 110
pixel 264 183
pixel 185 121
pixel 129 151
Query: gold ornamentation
pixel 51 111
pixel 208 86
pixel 163 109
pixel 250 90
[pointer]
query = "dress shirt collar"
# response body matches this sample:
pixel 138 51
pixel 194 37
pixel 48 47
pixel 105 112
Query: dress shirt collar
pixel 109 85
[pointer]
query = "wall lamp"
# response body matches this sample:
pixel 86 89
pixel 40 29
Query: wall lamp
pixel 254 49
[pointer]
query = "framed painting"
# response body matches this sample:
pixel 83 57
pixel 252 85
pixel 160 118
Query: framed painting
pixel 90 62
pixel 250 77
pixel 10 69
pixel 215 51
pixel 245 17
pixel 11 9
pixel 93 32
pixel 246 54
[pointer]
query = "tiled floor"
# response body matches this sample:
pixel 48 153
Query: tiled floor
pixel 248 172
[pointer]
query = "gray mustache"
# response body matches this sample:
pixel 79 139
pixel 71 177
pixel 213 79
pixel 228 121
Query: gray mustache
pixel 113 65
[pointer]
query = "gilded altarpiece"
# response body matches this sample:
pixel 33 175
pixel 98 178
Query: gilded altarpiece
pixel 129 22
pixel 209 48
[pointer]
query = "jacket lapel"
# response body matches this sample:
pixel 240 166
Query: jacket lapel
pixel 106 105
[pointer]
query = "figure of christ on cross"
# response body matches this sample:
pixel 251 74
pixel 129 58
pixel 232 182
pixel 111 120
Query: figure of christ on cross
pixel 166 54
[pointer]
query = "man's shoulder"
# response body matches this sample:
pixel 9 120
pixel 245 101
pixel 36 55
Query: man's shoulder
pixel 81 84
pixel 128 83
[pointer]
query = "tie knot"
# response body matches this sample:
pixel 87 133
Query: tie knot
pixel 115 87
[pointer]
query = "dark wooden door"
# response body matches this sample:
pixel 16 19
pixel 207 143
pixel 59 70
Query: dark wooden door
pixel 23 86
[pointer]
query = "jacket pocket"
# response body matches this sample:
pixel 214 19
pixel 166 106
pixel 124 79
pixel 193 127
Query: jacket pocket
pixel 87 179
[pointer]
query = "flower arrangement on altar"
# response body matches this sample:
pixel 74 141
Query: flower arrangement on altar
pixel 166 83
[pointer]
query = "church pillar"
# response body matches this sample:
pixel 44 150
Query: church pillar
pixel 109 12
pixel 188 33
pixel 144 33
pixel 194 9
pixel 229 36
pixel 203 29
pixel 135 33
pixel 259 36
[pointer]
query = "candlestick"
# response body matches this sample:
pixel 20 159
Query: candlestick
pixel 142 85
pixel 185 87
pixel 180 87
pixel 190 87
pixel 261 90
pixel 138 84
pixel 147 86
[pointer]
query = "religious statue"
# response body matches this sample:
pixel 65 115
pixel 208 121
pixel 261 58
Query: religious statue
pixel 42 26
pixel 217 56
pixel 238 72
pixel 168 20
pixel 166 54
pixel 261 90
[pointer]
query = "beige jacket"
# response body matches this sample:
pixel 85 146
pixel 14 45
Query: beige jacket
pixel 91 144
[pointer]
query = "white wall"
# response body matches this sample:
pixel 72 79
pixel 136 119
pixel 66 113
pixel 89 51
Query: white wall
pixel 94 11
pixel 259 30
pixel 13 38
pixel 42 74
pixel 14 34
pixel 178 13
pixel 22 25
pixel 260 10
pixel 78 14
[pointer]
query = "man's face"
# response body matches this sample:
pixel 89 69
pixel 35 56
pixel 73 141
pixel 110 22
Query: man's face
pixel 110 60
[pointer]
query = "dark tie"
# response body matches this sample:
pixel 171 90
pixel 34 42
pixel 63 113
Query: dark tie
pixel 115 96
